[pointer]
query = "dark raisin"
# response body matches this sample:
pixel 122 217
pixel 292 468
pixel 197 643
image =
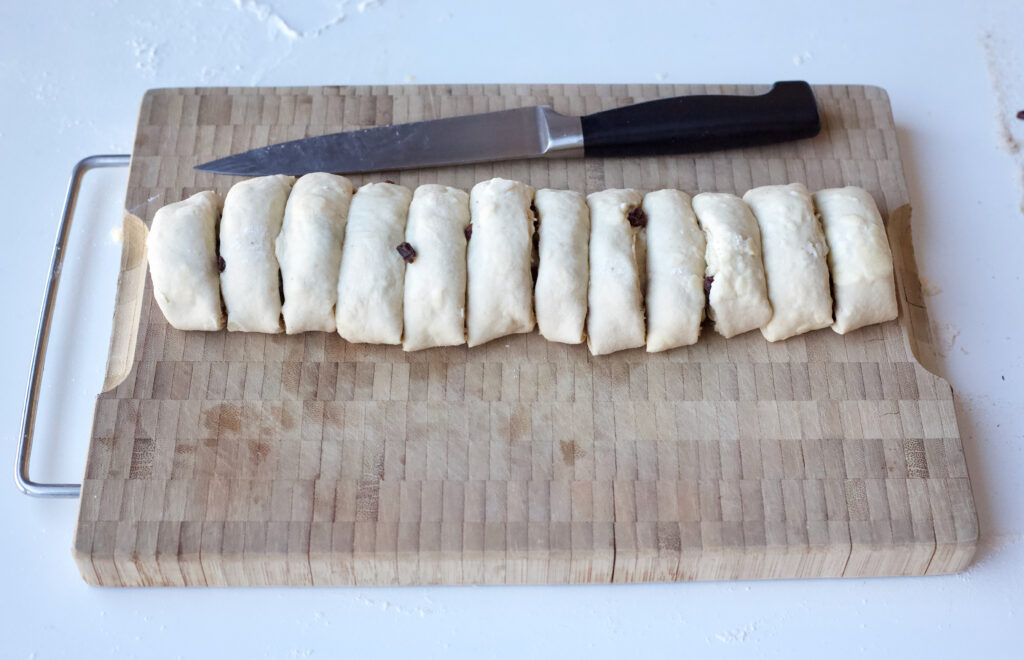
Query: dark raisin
pixel 708 281
pixel 468 231
pixel 389 181
pixel 221 265
pixel 637 217
pixel 407 251
pixel 1020 115
pixel 533 210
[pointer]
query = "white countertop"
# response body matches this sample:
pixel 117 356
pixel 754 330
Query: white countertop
pixel 72 75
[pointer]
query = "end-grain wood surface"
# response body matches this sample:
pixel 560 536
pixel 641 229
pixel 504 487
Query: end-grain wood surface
pixel 248 459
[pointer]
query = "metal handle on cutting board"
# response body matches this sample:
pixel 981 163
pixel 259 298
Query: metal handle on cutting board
pixel 28 417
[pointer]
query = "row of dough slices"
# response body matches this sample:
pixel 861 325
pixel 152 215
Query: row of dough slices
pixel 439 267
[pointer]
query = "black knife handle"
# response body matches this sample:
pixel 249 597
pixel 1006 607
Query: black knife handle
pixel 687 124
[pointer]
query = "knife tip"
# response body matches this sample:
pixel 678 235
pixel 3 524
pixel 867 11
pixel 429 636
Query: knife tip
pixel 213 167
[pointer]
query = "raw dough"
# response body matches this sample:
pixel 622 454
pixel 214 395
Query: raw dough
pixel 859 257
pixel 738 299
pixel 250 281
pixel 560 295
pixel 435 281
pixel 309 251
pixel 500 300
pixel 182 252
pixel 675 271
pixel 616 316
pixel 372 272
pixel 794 251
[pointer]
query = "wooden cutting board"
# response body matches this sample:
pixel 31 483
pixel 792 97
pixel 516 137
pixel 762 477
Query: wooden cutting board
pixel 248 459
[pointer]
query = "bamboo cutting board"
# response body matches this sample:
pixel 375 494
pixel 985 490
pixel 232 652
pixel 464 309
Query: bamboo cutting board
pixel 246 459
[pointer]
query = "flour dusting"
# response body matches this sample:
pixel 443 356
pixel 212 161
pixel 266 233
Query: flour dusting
pixel 1005 113
pixel 1006 141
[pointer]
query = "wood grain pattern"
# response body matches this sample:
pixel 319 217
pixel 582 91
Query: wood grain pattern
pixel 244 459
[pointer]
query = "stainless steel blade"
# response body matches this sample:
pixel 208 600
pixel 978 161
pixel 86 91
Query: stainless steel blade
pixel 521 133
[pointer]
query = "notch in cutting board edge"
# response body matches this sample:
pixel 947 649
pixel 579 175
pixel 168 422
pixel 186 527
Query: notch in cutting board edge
pixel 955 550
pixel 131 281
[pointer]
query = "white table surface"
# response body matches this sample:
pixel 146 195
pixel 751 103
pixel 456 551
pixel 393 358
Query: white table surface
pixel 72 75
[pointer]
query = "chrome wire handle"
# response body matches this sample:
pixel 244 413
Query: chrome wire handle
pixel 28 418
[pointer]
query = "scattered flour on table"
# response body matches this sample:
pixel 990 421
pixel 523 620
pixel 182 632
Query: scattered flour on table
pixel 989 546
pixel 288 33
pixel 930 287
pixel 147 59
pixel 385 606
pixel 999 61
pixel 736 635
pixel 801 58
pixel 945 335
pixel 46 91
pixel 1006 141
pixel 265 13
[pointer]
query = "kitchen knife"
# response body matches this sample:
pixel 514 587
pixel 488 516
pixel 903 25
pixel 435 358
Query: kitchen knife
pixel 683 124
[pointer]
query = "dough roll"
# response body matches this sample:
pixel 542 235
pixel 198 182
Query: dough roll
pixel 372 269
pixel 560 295
pixel 250 281
pixel 182 253
pixel 737 293
pixel 500 296
pixel 675 271
pixel 616 316
pixel 309 251
pixel 859 257
pixel 435 280
pixel 794 252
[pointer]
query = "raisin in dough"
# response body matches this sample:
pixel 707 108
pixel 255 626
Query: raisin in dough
pixel 253 212
pixel 435 280
pixel 182 252
pixel 616 316
pixel 500 292
pixel 675 271
pixel 738 295
pixel 372 271
pixel 309 251
pixel 794 250
pixel 560 295
pixel 859 257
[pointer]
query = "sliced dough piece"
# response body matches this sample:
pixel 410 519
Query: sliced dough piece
pixel 500 300
pixel 309 251
pixel 859 257
pixel 738 295
pixel 182 253
pixel 794 251
pixel 616 316
pixel 372 270
pixel 435 281
pixel 675 271
pixel 250 281
pixel 560 295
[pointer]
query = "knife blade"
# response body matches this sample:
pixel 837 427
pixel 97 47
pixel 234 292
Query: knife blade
pixel 683 124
